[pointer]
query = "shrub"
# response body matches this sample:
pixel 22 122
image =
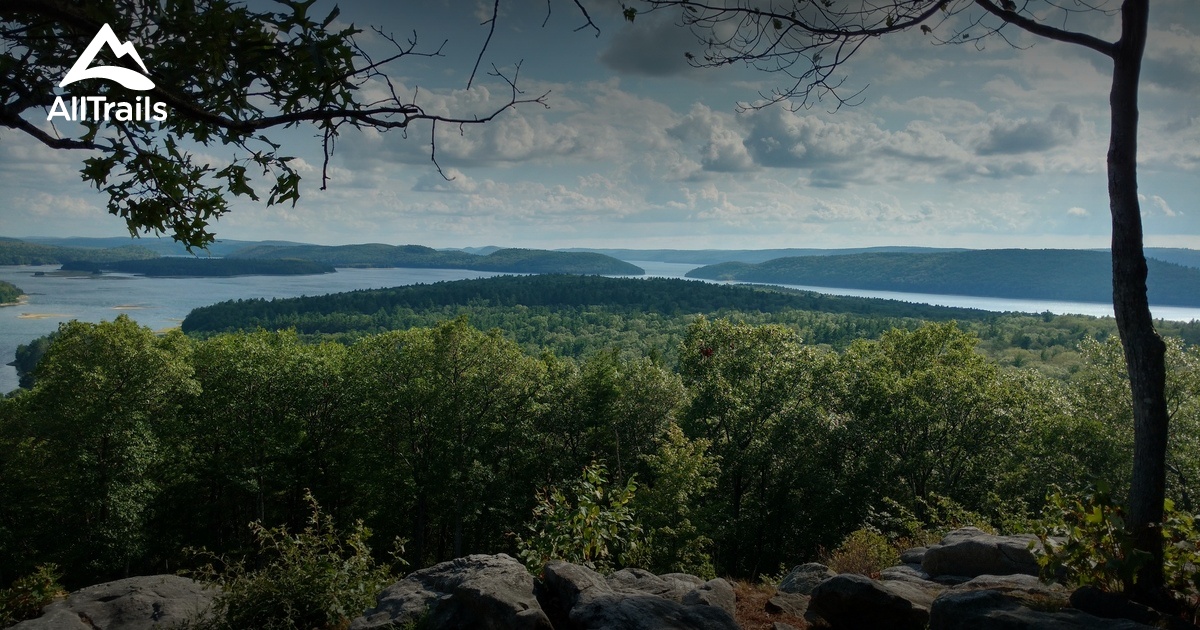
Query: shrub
pixel 595 528
pixel 865 552
pixel 310 580
pixel 29 594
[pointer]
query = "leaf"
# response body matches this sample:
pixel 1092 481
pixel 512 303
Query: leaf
pixel 332 16
pixel 630 13
pixel 925 29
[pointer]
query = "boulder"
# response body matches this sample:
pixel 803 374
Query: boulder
pixel 578 598
pixel 137 603
pixel 984 609
pixel 478 591
pixel 779 625
pixel 914 555
pixel 716 592
pixel 970 552
pixel 1094 601
pixel 905 573
pixel 793 604
pixel 804 578
pixel 855 601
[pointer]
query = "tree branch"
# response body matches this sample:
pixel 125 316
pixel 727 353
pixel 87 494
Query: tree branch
pixel 1049 32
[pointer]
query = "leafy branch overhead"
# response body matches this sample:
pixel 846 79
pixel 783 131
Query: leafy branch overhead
pixel 229 76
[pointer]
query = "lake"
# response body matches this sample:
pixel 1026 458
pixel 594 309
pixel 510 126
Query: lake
pixel 161 303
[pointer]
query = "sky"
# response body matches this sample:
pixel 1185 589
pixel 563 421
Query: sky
pixel 979 146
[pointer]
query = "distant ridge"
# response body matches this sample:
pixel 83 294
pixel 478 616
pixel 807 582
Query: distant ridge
pixel 510 260
pixel 1046 274
pixel 713 256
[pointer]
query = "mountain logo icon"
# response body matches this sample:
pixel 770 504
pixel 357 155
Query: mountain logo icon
pixel 126 77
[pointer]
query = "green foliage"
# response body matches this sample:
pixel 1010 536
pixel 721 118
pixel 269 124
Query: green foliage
pixel 16 252
pixel 1085 542
pixel 9 292
pixel 683 473
pixel 29 594
pixel 315 579
pixel 865 552
pixel 590 523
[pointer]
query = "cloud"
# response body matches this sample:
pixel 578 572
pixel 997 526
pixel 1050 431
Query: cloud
pixel 652 46
pixel 1006 137
pixel 722 148
pixel 455 181
pixel 1076 211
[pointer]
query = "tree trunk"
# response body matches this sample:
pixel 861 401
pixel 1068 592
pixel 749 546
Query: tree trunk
pixel 1144 349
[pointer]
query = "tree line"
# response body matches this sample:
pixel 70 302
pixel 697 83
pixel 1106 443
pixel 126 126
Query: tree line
pixel 755 449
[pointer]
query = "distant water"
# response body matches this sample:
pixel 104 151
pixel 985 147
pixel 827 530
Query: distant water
pixel 1170 313
pixel 161 303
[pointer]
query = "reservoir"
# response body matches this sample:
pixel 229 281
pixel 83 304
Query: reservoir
pixel 162 303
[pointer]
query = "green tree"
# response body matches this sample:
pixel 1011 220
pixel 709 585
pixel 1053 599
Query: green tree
pixel 447 412
pixel 806 42
pixel 229 74
pixel 93 427
pixel 754 398
pixel 268 426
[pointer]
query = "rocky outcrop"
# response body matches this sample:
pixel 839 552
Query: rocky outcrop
pixel 137 603
pixel 484 592
pixel 804 578
pixel 577 598
pixel 969 552
pixel 497 592
pixel 985 609
pixel 855 601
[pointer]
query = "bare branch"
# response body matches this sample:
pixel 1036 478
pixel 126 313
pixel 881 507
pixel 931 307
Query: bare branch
pixel 495 14
pixel 1049 32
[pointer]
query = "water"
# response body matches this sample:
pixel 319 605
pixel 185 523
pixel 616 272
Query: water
pixel 162 303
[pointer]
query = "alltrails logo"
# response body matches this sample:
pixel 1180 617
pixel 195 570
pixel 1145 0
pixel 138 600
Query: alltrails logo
pixel 99 107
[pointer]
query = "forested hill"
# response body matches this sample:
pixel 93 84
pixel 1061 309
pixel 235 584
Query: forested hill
pixel 713 256
pixel 179 267
pixel 369 310
pixel 503 260
pixel 18 252
pixel 9 292
pixel 1051 274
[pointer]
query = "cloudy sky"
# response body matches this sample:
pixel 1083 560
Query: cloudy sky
pixel 951 146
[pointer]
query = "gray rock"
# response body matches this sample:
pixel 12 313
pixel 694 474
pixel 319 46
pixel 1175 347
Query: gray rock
pixel 1094 601
pixel 716 592
pixel 794 604
pixel 478 591
pixel 804 578
pixel 672 586
pixel 779 625
pixel 994 610
pixel 914 555
pixel 137 603
pixel 578 598
pixel 970 552
pixel 855 601
pixel 905 573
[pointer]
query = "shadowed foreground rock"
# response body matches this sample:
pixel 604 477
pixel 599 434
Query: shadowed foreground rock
pixel 137 603
pixel 478 591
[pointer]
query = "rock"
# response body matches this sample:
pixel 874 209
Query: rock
pixel 855 601
pixel 1094 601
pixel 905 573
pixel 137 603
pixel 970 552
pixel 779 625
pixel 804 578
pixel 672 586
pixel 716 592
pixel 914 555
pixel 993 610
pixel 478 591
pixel 578 598
pixel 794 604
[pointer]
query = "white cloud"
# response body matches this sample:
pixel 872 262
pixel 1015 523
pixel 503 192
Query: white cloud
pixel 1076 211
